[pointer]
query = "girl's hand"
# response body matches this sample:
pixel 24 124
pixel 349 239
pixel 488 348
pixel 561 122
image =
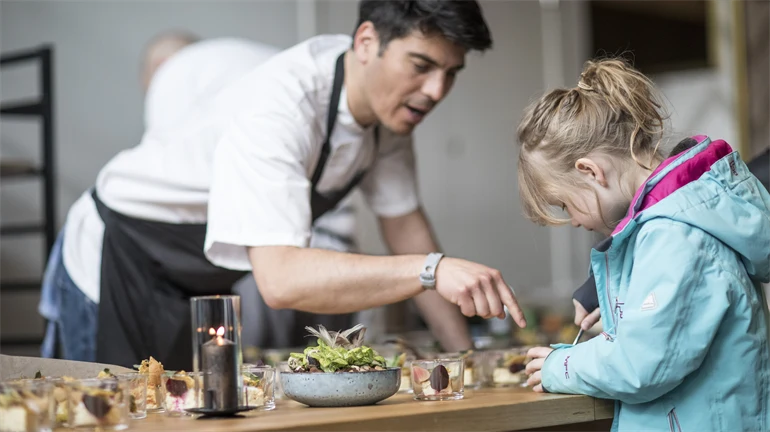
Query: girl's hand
pixel 583 318
pixel 538 355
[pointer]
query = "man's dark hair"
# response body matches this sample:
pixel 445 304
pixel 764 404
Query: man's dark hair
pixel 459 21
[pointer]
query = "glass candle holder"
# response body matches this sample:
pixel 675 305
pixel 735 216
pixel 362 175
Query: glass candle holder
pixel 26 405
pixel 216 328
pixel 438 379
pixel 97 403
pixel 182 391
pixel 137 393
pixel 505 367
pixel 259 387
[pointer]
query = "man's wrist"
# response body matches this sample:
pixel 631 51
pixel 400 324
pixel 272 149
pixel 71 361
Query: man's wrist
pixel 428 272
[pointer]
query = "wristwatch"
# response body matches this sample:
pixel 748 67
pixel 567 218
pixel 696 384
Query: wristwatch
pixel 428 273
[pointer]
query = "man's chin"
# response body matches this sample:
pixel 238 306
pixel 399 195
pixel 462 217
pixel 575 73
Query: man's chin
pixel 401 127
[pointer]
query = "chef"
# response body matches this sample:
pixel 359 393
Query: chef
pixel 236 188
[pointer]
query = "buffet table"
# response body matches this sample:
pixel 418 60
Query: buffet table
pixel 480 410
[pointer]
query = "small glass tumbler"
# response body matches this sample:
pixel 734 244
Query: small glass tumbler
pixel 472 367
pixel 182 391
pixel 60 406
pixel 505 367
pixel 217 352
pixel 137 393
pixel 259 387
pixel 281 367
pixel 97 403
pixel 438 379
pixel 26 405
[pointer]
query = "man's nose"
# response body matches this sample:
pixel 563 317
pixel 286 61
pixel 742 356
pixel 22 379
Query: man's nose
pixel 435 87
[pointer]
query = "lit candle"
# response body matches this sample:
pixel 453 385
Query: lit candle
pixel 220 379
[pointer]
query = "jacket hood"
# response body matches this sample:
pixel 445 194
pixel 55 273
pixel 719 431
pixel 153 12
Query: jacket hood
pixel 709 187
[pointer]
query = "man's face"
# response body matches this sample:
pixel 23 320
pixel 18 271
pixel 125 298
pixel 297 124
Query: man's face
pixel 409 78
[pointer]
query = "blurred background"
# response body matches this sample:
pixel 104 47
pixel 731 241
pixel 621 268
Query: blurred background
pixel 710 58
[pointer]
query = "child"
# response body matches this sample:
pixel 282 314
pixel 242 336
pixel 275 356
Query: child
pixel 685 341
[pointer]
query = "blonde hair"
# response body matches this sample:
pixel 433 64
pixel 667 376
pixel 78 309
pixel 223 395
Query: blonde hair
pixel 613 110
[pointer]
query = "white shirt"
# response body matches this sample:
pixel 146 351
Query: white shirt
pixel 193 75
pixel 242 162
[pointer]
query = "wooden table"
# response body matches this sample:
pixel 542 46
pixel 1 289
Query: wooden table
pixel 480 410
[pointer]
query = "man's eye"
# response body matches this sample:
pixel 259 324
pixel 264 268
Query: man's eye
pixel 421 67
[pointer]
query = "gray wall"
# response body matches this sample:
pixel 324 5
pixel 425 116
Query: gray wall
pixel 466 151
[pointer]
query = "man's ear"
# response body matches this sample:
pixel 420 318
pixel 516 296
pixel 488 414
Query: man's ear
pixel 589 168
pixel 366 42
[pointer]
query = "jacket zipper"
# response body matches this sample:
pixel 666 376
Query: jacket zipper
pixel 673 421
pixel 609 298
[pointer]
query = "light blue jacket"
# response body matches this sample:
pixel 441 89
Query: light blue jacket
pixel 685 342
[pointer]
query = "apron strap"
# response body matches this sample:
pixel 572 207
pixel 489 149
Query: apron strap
pixel 331 118
pixel 322 203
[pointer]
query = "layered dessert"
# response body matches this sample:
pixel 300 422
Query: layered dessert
pixel 253 390
pixel 444 381
pixel 23 410
pixel 155 394
pixel 181 392
pixel 60 399
pixel 102 404
pixel 509 370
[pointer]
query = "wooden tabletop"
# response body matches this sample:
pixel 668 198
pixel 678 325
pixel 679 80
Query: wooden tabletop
pixel 480 410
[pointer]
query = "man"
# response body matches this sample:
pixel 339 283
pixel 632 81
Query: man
pixel 239 184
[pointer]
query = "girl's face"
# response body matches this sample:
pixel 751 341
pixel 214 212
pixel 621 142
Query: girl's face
pixel 596 209
pixel 603 203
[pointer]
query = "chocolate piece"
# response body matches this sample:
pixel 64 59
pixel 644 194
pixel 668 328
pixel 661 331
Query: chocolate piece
pixel 177 388
pixel 96 405
pixel 439 378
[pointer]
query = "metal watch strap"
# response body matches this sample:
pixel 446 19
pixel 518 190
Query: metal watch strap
pixel 428 273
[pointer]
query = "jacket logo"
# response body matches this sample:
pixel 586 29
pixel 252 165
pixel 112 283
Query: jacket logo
pixel 650 302
pixel 566 368
pixel 619 308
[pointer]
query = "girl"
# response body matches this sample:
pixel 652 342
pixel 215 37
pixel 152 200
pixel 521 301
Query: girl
pixel 685 341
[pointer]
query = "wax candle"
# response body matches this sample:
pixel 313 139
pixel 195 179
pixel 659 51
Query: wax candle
pixel 220 379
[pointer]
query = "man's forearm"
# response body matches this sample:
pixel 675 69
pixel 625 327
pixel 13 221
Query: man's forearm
pixel 411 234
pixel 328 282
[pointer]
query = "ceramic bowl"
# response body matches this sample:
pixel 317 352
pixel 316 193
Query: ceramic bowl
pixel 340 389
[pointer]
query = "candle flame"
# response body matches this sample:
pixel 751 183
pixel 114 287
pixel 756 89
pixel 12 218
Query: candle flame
pixel 212 332
pixel 221 331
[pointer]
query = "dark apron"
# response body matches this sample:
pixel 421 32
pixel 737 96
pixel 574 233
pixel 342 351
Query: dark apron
pixel 150 270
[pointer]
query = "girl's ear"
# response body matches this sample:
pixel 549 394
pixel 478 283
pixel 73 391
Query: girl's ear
pixel 592 170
